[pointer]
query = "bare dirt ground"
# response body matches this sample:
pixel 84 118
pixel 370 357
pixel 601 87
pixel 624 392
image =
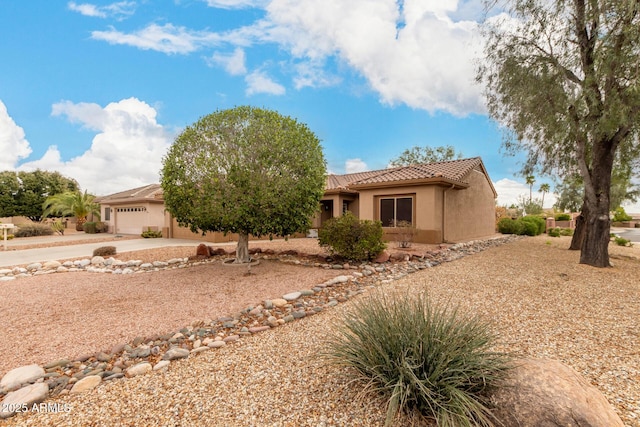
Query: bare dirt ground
pixel 541 302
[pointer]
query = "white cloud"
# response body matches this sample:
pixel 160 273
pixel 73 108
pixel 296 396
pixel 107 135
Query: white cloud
pixel 233 64
pixel 415 52
pixel 415 55
pixel 126 152
pixel 119 10
pixel 509 191
pixel 259 82
pixel 13 145
pixel 162 38
pixel 355 165
pixel 236 4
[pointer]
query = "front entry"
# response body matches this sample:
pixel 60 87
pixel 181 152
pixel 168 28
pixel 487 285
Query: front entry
pixel 327 211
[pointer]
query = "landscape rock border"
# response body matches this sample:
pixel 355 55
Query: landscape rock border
pixel 155 353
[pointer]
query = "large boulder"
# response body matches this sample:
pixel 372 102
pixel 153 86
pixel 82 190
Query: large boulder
pixel 547 393
pixel 203 251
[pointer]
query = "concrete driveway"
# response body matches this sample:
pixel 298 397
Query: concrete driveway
pixel 632 234
pixel 15 257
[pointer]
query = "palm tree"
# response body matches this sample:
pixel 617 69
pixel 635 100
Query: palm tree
pixel 530 179
pixel 74 203
pixel 544 189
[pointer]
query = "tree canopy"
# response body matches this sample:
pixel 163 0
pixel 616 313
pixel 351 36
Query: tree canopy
pixel 426 154
pixel 244 170
pixel 23 193
pixel 71 203
pixel 562 78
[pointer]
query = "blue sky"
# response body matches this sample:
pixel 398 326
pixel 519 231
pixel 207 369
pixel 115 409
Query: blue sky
pixel 98 91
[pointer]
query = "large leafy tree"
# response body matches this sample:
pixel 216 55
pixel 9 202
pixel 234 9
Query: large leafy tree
pixel 244 170
pixel 72 203
pixel 9 187
pixel 23 193
pixel 426 154
pixel 562 77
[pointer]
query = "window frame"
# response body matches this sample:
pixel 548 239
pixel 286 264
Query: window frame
pixel 395 198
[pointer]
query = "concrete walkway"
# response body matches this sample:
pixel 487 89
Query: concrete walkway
pixel 15 257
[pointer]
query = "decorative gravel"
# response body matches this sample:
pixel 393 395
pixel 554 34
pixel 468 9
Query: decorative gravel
pixel 541 302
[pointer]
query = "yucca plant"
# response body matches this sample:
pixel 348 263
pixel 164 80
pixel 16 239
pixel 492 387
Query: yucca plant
pixel 425 360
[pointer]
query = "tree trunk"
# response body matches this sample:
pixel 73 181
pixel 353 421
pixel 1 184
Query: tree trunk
pixel 581 228
pixel 595 247
pixel 242 250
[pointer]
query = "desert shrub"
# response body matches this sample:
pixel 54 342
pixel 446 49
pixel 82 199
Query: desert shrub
pixel 102 227
pixel 104 251
pixel 351 238
pixel 619 215
pixel 406 232
pixel 151 234
pixel 621 241
pixel 566 231
pixel 32 230
pixel 425 360
pixel 510 226
pixel 58 227
pixel 553 232
pixel 90 227
pixel 563 217
pixel 529 228
pixel 539 223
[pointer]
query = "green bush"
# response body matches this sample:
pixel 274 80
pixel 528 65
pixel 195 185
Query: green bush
pixel 510 226
pixel 348 237
pixel 530 228
pixel 426 360
pixel 540 224
pixel 151 234
pixel 557 232
pixel 563 217
pixel 90 227
pixel 553 232
pixel 566 231
pixel 104 251
pixel 32 230
pixel 621 241
pixel 620 215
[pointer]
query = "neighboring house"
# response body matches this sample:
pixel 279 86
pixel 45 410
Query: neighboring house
pixel 133 211
pixel 446 202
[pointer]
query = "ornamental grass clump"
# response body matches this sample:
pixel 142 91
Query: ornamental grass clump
pixel 426 361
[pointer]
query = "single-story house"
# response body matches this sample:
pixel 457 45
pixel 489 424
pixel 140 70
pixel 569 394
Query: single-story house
pixel 445 201
pixel 133 211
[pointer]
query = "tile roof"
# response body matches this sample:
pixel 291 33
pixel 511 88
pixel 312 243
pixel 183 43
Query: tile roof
pixel 148 192
pixel 454 170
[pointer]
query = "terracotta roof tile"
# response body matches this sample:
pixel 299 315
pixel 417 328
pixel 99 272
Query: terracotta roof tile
pixel 151 191
pixel 454 170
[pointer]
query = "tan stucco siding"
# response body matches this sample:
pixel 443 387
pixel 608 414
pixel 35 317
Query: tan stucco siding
pixel 427 209
pixel 134 218
pixel 470 213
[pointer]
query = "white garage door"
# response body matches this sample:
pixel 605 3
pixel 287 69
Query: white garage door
pixel 131 220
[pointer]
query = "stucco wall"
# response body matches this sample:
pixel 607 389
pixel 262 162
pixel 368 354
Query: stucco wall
pixel 427 210
pixel 134 222
pixel 470 213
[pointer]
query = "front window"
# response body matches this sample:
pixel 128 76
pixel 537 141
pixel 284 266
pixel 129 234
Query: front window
pixel 396 209
pixel 107 214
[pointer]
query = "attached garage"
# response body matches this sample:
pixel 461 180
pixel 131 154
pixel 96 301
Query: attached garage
pixel 134 211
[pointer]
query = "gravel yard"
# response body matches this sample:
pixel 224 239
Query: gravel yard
pixel 541 302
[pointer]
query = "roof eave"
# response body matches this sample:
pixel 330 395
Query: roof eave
pixel 411 182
